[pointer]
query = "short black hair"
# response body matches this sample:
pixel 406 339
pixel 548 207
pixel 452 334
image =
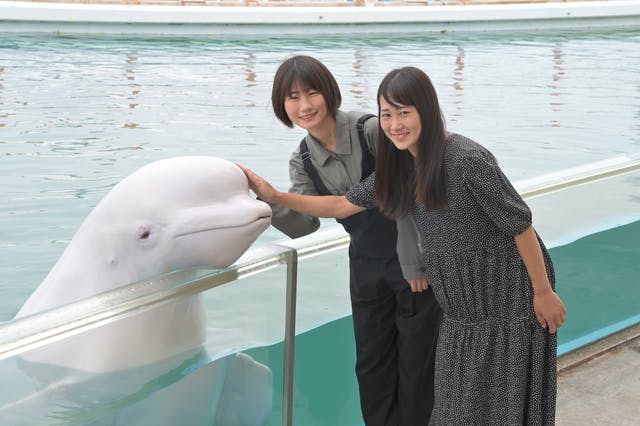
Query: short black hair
pixel 307 72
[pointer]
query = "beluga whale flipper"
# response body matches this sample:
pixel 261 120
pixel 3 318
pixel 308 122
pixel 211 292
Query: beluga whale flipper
pixel 171 214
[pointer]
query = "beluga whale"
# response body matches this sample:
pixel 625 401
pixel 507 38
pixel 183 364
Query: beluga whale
pixel 172 214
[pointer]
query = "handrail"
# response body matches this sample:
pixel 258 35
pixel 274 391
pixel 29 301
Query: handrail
pixel 23 334
pixel 602 170
pixel 289 337
pixel 33 331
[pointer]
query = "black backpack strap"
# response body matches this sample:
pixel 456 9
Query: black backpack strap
pixel 311 171
pixel 368 161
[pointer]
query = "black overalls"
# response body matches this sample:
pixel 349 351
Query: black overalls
pixel 393 327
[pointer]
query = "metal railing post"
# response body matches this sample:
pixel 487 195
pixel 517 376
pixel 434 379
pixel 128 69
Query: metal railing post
pixel 289 336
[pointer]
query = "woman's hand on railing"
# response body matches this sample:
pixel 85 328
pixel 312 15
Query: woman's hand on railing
pixel 259 185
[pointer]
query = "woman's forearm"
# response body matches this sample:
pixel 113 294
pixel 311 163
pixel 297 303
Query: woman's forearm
pixel 531 254
pixel 548 308
pixel 320 206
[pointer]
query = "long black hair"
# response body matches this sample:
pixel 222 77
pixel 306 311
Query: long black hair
pixel 400 178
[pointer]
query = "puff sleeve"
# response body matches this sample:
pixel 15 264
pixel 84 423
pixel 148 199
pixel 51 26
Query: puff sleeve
pixel 495 195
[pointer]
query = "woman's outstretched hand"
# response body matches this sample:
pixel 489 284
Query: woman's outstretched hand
pixel 320 206
pixel 261 187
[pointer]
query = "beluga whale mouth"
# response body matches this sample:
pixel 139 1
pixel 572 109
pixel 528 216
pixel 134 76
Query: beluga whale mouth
pixel 258 222
pixel 253 216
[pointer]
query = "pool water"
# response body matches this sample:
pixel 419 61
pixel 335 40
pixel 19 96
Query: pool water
pixel 78 114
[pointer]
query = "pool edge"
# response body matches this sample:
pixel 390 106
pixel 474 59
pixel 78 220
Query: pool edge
pixel 592 350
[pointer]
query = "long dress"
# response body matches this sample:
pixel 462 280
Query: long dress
pixel 495 364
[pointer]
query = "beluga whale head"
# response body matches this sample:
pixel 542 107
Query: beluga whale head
pixel 177 213
pixel 171 214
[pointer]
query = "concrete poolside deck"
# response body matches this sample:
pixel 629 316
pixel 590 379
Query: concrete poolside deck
pixel 600 385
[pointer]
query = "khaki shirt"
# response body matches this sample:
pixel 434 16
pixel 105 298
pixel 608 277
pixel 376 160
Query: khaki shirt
pixel 339 171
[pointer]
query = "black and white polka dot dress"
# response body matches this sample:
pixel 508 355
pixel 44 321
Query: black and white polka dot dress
pixel 495 365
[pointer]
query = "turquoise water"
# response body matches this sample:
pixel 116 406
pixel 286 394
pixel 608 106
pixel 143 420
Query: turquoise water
pixel 79 114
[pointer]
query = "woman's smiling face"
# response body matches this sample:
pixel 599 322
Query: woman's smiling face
pixel 306 107
pixel 401 124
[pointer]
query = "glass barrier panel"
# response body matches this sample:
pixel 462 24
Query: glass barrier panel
pixel 245 326
pixel 326 390
pixel 193 351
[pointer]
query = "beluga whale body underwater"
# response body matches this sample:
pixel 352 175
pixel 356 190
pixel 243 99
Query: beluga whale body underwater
pixel 172 214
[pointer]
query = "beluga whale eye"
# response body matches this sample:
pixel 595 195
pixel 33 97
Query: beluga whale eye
pixel 144 232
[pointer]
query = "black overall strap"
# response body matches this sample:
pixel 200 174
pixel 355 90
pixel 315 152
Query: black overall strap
pixel 368 162
pixel 311 171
